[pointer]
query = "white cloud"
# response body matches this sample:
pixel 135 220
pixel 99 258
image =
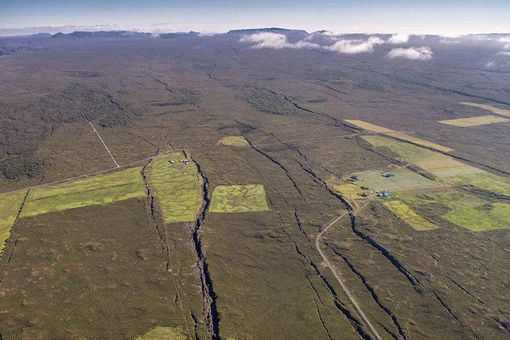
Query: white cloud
pixel 413 53
pixel 490 64
pixel 399 39
pixel 355 46
pixel 449 41
pixel 505 53
pixel 275 41
pixel 504 39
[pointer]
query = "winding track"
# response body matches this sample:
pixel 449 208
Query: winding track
pixel 337 274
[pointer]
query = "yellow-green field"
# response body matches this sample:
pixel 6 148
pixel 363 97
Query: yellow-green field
pixel 177 187
pixel 369 126
pixel 95 190
pixel 474 121
pixel 409 216
pixel 346 188
pixel 482 180
pixel 403 179
pixel 436 163
pixel 467 211
pixel 449 170
pixel 398 135
pixel 9 206
pixel 238 198
pixel 164 333
pixel 238 141
pixel 490 108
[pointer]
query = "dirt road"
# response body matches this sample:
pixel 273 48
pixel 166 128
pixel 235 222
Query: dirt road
pixel 337 273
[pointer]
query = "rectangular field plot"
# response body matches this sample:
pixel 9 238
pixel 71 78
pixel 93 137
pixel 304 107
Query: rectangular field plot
pixel 368 126
pixel 9 206
pixel 483 180
pixel 238 198
pixel 95 190
pixel 402 180
pixel 177 186
pixel 436 163
pixel 467 211
pixel 474 121
pixel 493 109
pixel 409 216
pixel 237 141
pixel 398 135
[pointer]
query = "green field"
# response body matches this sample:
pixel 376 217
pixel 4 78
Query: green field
pixel 238 198
pixel 409 216
pixel 483 180
pixel 238 141
pixel 403 179
pixel 177 187
pixel 9 206
pixel 467 211
pixel 433 162
pixel 163 333
pixel 95 190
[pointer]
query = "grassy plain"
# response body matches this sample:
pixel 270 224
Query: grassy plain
pixel 409 216
pixel 238 141
pixel 490 108
pixel 9 206
pixel 467 211
pixel 97 272
pixel 238 198
pixel 163 333
pixel 95 190
pixel 398 135
pixel 177 187
pixel 474 121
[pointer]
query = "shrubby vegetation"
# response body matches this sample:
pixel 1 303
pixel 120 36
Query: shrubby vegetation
pixel 23 129
pixel 269 101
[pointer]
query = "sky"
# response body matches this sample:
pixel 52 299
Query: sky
pixel 444 17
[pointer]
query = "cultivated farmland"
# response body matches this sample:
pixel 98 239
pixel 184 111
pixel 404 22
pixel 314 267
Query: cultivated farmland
pixel 398 135
pixel 474 121
pixel 239 198
pixel 409 216
pixel 10 205
pixel 238 141
pixel 176 185
pixel 491 108
pixel 466 211
pixel 95 190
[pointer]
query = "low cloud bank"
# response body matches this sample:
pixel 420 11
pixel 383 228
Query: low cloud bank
pixel 413 53
pixel 341 46
pixel 355 46
pixel 275 41
pixel 398 39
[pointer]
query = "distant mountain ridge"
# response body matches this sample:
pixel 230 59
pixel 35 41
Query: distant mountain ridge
pixel 268 29
pixel 103 34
